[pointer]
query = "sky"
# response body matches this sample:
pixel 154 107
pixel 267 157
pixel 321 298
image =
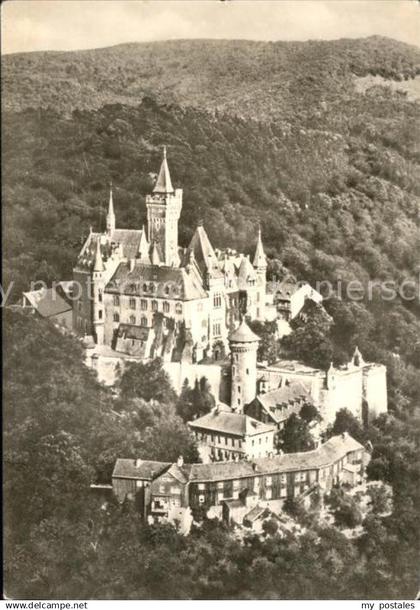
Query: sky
pixel 38 25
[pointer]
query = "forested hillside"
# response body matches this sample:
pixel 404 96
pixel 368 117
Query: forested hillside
pixel 276 132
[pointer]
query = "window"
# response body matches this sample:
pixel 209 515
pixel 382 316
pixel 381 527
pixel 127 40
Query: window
pixel 201 499
pixel 116 300
pixel 253 442
pixel 204 324
pixel 239 389
pixel 220 496
pixel 268 494
pixel 143 305
pixel 100 314
pixel 259 441
pixel 132 319
pixel 217 300
pixel 247 371
pixel 201 486
pixel 144 287
pixel 268 481
pixel 139 484
pixel 233 369
pixel 143 321
pixel 79 305
pixel 162 489
pixel 178 308
pixel 132 303
pixel 166 289
pixel 220 485
pixel 154 305
pixel 116 317
pixel 166 307
pixel 226 440
pixel 218 438
pixel 100 296
pixel 216 329
pixel 236 484
pixel 175 490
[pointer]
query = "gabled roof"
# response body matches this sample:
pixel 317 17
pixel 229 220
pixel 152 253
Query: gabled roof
pixel 181 284
pixel 246 273
pixel 204 254
pixel 142 469
pixel 282 402
pixel 230 422
pixel 163 183
pixel 243 334
pixel 47 302
pixel 129 239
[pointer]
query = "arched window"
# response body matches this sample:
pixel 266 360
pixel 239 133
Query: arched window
pixel 132 319
pixel 166 289
pixel 116 317
pixel 178 308
pixel 116 300
pixel 166 307
pixel 144 287
pixel 143 321
pixel 154 305
pixel 132 303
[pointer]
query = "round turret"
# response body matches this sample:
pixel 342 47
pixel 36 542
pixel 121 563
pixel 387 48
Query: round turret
pixel 243 344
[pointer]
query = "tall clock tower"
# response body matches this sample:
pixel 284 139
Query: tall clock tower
pixel 163 212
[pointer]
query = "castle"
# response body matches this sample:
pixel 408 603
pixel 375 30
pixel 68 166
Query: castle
pixel 142 294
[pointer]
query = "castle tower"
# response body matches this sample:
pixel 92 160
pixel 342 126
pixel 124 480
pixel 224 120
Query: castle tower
pixel 110 217
pixel 163 212
pixel 98 285
pixel 260 266
pixel 243 348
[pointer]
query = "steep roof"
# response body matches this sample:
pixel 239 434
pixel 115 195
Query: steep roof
pixel 246 273
pixel 98 263
pixel 259 256
pixel 129 239
pixel 47 302
pixel 204 254
pixel 168 282
pixel 230 422
pixel 163 183
pixel 144 469
pixel 243 334
pixel 284 401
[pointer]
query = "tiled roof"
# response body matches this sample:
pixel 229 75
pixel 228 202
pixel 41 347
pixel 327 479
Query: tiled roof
pixel 331 451
pixel 129 239
pixel 47 302
pixel 246 273
pixel 284 401
pixel 180 283
pixel 163 183
pixel 255 513
pixel 259 257
pixel 204 254
pixel 243 334
pixel 130 331
pixel 146 469
pixel 227 422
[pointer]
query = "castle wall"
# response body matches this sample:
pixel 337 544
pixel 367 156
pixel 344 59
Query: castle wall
pixel 375 389
pixel 179 371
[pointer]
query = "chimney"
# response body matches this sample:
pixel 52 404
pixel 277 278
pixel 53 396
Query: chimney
pixel 344 435
pixel 180 462
pixel 138 462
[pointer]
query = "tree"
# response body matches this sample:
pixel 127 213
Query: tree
pixel 195 402
pixel 345 421
pixel 148 381
pixel 268 347
pixel 295 436
pixel 309 413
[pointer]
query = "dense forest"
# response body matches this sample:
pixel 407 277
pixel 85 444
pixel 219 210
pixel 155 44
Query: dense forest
pixel 275 132
pixel 61 542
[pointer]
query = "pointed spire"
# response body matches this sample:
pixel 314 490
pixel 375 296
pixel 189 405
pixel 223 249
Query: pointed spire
pixel 259 257
pixel 98 264
pixel 144 247
pixel 155 255
pixel 163 183
pixel 357 358
pixel 110 217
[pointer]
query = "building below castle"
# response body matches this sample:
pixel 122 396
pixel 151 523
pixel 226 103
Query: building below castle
pixel 168 492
